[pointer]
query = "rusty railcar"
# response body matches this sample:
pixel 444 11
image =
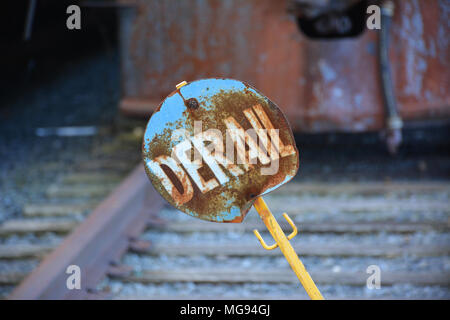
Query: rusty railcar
pixel 322 85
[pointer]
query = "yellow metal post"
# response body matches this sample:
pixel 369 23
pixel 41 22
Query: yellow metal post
pixel 283 242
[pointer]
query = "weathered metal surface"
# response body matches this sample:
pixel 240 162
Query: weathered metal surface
pixel 223 184
pixel 320 85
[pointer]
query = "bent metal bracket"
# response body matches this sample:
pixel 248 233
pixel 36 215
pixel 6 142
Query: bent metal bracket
pixel 214 145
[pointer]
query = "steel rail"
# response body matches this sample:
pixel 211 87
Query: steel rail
pixel 97 244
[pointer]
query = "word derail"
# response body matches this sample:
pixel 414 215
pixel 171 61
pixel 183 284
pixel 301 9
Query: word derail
pixel 213 146
pixel 250 145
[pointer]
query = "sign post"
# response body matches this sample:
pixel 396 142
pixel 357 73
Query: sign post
pixel 214 147
pixel 283 243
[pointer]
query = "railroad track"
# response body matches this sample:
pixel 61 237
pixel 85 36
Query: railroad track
pixel 63 204
pixel 133 246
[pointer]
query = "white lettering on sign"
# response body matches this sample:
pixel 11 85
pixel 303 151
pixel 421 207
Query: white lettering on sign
pixel 215 158
pixel 192 167
pixel 156 167
pixel 261 142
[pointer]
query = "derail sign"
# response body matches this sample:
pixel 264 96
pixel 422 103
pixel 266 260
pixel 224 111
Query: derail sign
pixel 214 145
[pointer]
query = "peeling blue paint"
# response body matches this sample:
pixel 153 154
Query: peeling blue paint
pixel 173 115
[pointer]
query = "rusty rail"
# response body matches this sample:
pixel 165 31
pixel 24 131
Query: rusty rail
pixel 96 244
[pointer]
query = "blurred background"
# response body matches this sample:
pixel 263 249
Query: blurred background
pixel 366 94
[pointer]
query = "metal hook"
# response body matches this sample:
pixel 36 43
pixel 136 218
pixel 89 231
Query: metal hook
pixel 291 223
pixel 275 245
pixel 263 243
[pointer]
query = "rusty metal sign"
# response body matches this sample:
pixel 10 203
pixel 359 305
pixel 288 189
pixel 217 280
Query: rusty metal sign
pixel 214 145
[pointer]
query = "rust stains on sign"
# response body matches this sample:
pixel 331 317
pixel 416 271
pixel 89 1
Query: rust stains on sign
pixel 214 145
